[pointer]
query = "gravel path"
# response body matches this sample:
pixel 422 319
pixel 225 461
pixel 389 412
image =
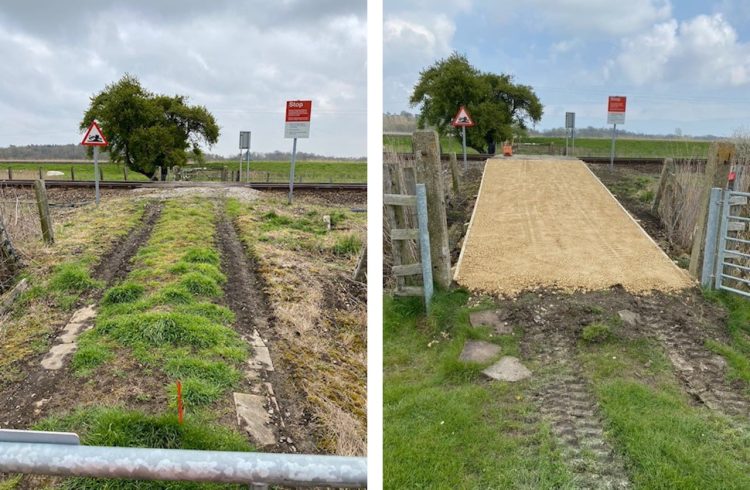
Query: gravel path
pixel 552 223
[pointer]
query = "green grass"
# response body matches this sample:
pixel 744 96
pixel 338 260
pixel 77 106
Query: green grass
pixel 120 427
pixel 83 171
pixel 444 426
pixel 625 147
pixel 347 245
pixel 162 314
pixel 307 171
pixel 737 353
pixel 666 441
pixel 402 144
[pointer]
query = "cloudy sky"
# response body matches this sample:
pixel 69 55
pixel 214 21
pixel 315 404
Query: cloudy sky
pixel 681 64
pixel 242 59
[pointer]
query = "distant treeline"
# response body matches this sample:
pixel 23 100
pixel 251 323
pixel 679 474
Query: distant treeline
pixel 77 152
pixel 406 122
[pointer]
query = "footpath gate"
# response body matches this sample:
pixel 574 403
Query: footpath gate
pixel 726 263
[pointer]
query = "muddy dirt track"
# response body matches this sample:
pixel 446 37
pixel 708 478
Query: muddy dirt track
pixel 551 223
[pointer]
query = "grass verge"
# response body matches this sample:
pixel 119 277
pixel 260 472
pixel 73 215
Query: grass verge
pixel 59 275
pixel 667 442
pixel 443 425
pixel 737 352
pixel 320 314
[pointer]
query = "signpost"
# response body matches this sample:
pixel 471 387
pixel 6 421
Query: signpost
pixel 297 126
pixel 570 124
pixel 245 145
pixel 615 116
pixel 463 120
pixel 94 137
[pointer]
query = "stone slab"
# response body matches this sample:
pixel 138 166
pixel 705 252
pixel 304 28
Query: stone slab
pixel 490 318
pixel 507 369
pixel 253 417
pixel 260 359
pixel 81 320
pixel 629 318
pixel 479 351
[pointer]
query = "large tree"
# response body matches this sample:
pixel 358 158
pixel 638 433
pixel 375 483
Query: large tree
pixel 146 130
pixel 500 108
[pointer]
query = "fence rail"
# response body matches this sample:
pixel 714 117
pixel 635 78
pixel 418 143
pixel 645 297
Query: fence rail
pixel 256 469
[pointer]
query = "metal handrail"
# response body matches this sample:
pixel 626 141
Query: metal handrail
pixel 258 469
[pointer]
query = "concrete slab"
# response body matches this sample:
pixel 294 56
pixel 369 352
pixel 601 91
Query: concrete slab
pixel 479 351
pixel 490 318
pixel 82 319
pixel 507 369
pixel 253 417
pixel 260 359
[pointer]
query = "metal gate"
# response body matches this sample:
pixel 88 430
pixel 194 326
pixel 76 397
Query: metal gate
pixel 726 262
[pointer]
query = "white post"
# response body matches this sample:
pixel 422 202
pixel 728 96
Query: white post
pixel 291 170
pixel 240 165
pixel 573 134
pixel 96 173
pixel 466 165
pixel 612 152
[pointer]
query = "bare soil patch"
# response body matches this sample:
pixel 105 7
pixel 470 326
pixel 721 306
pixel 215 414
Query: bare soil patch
pixel 244 296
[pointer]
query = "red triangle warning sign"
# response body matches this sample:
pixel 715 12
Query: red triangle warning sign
pixel 94 136
pixel 462 119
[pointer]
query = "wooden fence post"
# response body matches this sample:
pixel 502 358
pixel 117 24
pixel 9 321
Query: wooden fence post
pixel 10 173
pixel 125 172
pixel 429 172
pixel 101 174
pixel 224 173
pixel 667 173
pixel 360 271
pixel 454 174
pixel 8 252
pixel 40 173
pixel 157 174
pixel 73 173
pixel 716 175
pixel 44 216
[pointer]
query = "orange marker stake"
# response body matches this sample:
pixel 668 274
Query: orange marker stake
pixel 179 402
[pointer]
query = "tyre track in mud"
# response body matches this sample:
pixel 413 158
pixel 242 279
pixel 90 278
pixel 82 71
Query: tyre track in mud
pixel 44 390
pixel 566 402
pixel 702 372
pixel 244 295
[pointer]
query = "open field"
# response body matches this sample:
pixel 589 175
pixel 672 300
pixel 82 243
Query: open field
pixel 261 171
pixel 625 147
pixel 627 390
pixel 231 292
pixel 402 144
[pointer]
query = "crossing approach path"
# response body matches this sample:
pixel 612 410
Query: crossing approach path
pixel 549 222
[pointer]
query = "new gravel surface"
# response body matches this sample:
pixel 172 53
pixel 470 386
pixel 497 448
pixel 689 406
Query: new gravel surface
pixel 551 223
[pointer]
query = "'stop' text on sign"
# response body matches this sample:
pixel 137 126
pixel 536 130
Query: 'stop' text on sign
pixel 298 110
pixel 616 109
pixel 616 103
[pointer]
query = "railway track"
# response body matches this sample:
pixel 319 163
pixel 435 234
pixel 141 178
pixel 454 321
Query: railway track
pixel 122 184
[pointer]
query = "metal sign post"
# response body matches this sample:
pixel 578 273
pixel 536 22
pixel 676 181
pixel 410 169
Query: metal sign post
pixel 570 127
pixel 462 119
pixel 94 137
pixel 245 145
pixel 297 125
pixel 615 115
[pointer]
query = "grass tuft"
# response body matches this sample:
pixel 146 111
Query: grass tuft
pixel 200 285
pixel 72 278
pixel 347 245
pixel 126 292
pixel 165 328
pixel 596 333
pixel 201 255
